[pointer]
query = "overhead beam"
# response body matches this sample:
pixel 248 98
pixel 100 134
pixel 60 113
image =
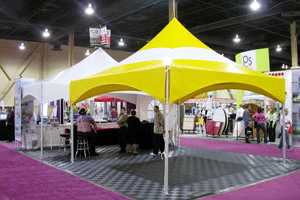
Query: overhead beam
pixel 236 20
pixel 2 69
pixel 9 85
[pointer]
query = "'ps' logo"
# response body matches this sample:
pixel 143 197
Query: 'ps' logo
pixel 247 61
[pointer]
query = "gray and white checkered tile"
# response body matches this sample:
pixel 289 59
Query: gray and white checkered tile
pixel 193 172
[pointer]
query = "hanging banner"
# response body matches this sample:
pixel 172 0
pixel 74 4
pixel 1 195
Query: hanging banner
pixel 100 37
pixel 94 36
pixel 103 32
pixel 108 36
pixel 257 60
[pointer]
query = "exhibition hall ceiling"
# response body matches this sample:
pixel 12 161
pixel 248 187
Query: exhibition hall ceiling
pixel 214 22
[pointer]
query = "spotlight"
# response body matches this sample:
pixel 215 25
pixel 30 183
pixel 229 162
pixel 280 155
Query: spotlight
pixel 236 39
pixel 278 48
pixel 22 46
pixel 87 53
pixel 255 6
pixel 121 43
pixel 46 33
pixel 89 9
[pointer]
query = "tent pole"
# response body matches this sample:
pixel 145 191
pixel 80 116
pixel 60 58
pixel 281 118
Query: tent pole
pixel 42 120
pixel 166 177
pixel 178 124
pixel 283 133
pixel 72 136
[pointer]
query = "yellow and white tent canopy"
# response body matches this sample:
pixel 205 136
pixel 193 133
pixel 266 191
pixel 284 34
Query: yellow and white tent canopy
pixel 195 69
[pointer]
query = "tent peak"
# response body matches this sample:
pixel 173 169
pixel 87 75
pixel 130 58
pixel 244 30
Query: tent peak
pixel 174 35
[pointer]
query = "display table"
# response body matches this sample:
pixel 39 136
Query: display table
pixel 51 134
pixel 108 134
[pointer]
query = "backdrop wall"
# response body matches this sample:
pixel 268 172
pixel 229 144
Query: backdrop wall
pixel 37 61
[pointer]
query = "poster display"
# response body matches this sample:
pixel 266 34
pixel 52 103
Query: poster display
pixel 100 37
pixel 94 36
pixel 19 83
pixel 296 107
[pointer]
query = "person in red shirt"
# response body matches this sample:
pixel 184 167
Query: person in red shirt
pixel 113 115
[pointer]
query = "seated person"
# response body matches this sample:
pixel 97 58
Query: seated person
pixel 84 130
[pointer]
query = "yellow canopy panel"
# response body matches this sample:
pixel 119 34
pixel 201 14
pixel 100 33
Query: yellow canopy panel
pixel 195 69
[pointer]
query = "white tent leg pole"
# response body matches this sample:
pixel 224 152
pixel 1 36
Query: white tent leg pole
pixel 72 136
pixel 42 121
pixel 42 126
pixel 178 124
pixel 166 177
pixel 283 132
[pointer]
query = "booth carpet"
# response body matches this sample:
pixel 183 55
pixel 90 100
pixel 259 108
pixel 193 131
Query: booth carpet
pixel 194 172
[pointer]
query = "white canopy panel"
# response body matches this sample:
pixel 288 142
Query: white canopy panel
pixel 57 86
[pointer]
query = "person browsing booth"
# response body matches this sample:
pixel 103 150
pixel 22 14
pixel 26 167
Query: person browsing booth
pixel 84 130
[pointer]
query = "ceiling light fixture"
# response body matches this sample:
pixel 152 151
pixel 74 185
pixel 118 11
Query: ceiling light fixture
pixel 121 43
pixel 22 46
pixel 46 33
pixel 284 66
pixel 255 5
pixel 89 10
pixel 236 39
pixel 278 48
pixel 87 53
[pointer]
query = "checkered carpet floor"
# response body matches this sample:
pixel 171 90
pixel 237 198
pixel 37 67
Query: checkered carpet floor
pixel 193 172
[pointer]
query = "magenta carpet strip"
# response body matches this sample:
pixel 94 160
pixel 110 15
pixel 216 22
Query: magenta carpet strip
pixel 23 178
pixel 256 149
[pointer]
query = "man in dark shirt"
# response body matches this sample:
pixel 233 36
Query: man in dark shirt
pixel 134 125
pixel 10 124
pixel 247 121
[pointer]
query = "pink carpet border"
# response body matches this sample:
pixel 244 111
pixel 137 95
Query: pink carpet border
pixel 256 149
pixel 23 177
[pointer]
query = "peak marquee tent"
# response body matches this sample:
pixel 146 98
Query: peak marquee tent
pixel 57 86
pixel 194 69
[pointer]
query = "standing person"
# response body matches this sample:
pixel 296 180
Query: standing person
pixel 260 118
pixel 239 119
pixel 272 125
pixel 10 124
pixel 108 111
pixel 134 125
pixel 113 115
pixel 204 114
pixel 285 130
pixel 247 121
pixel 122 122
pixel 84 130
pixel 159 130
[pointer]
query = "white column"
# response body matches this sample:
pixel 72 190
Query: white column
pixel 42 120
pixel 166 177
pixel 72 135
pixel 178 124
